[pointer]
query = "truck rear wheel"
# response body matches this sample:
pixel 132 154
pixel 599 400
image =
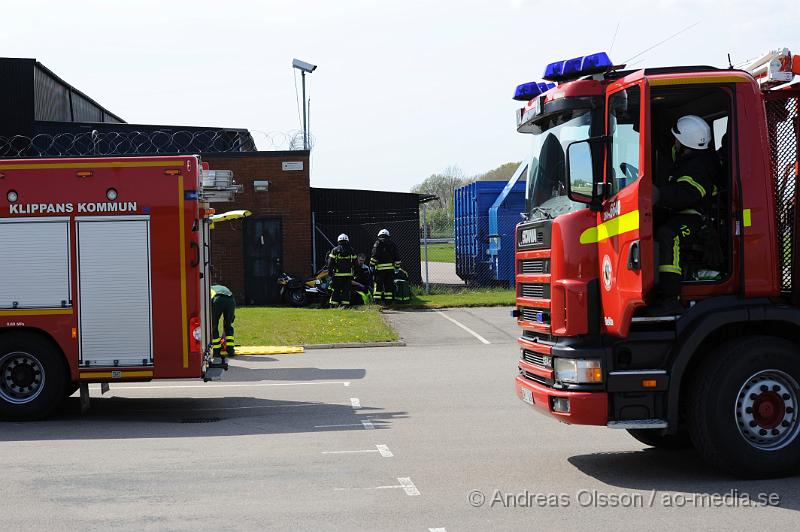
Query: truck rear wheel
pixel 743 408
pixel 661 440
pixel 33 377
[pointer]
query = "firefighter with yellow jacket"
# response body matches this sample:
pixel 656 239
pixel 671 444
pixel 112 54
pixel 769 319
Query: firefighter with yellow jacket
pixel 341 266
pixel 386 263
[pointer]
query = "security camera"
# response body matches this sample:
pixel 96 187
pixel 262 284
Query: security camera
pixel 302 65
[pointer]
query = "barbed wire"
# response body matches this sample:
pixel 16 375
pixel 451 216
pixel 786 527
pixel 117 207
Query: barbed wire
pixel 148 142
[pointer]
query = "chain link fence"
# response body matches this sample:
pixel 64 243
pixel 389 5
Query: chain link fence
pixel 435 263
pixel 146 141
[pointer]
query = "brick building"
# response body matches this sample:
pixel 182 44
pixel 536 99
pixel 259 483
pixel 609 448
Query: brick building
pixel 248 255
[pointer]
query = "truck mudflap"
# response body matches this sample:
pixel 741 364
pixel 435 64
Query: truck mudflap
pixel 575 408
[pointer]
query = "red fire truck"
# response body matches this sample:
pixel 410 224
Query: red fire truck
pixel 723 375
pixel 105 275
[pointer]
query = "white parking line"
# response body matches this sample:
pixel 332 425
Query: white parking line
pixel 382 449
pixel 355 402
pixel 473 333
pixel 343 425
pixel 368 425
pixel 405 485
pixel 213 386
pixel 409 487
pixel 437 530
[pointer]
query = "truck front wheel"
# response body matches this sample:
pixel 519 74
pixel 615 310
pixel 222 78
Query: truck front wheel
pixel 743 408
pixel 33 377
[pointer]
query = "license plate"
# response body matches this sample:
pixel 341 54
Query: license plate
pixel 527 396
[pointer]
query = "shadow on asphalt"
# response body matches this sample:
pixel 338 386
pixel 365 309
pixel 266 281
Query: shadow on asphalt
pixel 133 418
pixel 679 471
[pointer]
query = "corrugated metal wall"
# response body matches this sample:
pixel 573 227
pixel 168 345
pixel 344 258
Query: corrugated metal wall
pixel 361 214
pixel 29 92
pixel 16 96
pixel 51 97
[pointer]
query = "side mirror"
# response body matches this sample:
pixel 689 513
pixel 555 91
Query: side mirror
pixel 584 172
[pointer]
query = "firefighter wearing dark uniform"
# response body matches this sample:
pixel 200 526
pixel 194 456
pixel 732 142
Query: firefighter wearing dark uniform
pixel 341 264
pixel 385 261
pixel 363 276
pixel 683 198
pixel 222 306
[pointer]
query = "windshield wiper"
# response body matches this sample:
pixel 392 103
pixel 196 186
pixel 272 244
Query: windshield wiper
pixel 542 211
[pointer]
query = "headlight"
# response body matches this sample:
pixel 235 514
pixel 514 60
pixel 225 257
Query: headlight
pixel 578 371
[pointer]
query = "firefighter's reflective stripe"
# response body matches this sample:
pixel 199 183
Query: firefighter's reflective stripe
pixel 397 264
pixel 688 179
pixel 229 340
pixel 385 266
pixel 675 267
pixel 343 274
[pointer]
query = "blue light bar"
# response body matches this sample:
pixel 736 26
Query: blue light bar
pixel 529 91
pixel 577 67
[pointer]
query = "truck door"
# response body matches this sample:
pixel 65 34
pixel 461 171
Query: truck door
pixel 624 225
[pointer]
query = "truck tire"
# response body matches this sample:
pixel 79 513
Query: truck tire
pixel 661 440
pixel 33 377
pixel 743 408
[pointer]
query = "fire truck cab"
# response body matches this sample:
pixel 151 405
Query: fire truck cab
pixel 723 375
pixel 105 275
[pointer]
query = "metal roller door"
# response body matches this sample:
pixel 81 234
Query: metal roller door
pixel 34 266
pixel 114 298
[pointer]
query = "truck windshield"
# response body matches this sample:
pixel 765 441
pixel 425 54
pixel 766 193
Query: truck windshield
pixel 546 193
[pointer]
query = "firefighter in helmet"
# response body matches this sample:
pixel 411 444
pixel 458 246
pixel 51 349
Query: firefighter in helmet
pixel 385 261
pixel 341 266
pixel 223 305
pixel 682 199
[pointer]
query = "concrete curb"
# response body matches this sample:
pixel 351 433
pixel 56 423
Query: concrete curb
pixel 354 345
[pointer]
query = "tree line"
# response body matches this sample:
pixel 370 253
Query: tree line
pixel 444 184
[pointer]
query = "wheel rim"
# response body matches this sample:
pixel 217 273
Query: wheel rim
pixel 766 410
pixel 22 377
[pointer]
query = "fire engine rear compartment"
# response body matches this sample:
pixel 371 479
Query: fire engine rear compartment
pixel 114 287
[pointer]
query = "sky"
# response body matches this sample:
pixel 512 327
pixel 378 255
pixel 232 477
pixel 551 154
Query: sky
pixel 403 90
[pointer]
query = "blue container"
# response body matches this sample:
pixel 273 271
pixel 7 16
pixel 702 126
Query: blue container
pixel 474 264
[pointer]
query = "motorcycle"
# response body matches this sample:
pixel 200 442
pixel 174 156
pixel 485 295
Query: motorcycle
pixel 317 289
pixel 301 292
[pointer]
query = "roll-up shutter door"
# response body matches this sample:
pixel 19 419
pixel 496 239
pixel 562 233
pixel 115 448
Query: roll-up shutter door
pixel 34 264
pixel 114 298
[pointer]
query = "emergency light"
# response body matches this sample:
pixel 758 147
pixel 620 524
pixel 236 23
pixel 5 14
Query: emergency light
pixel 529 91
pixel 577 67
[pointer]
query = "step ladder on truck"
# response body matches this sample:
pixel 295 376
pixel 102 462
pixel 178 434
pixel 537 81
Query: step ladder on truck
pixel 722 372
pixel 105 277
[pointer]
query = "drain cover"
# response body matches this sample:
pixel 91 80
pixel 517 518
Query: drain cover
pixel 201 420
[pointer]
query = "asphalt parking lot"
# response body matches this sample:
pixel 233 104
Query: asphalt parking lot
pixel 424 437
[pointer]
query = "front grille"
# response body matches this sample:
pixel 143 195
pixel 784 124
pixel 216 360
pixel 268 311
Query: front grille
pixel 535 290
pixel 536 378
pixel 541 338
pixel 535 315
pixel 539 359
pixel 534 266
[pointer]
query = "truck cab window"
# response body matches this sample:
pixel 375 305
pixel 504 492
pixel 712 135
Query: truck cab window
pixel 623 129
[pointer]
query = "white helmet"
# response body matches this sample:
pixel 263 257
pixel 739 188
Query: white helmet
pixel 693 132
pixel 343 238
pixel 383 232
